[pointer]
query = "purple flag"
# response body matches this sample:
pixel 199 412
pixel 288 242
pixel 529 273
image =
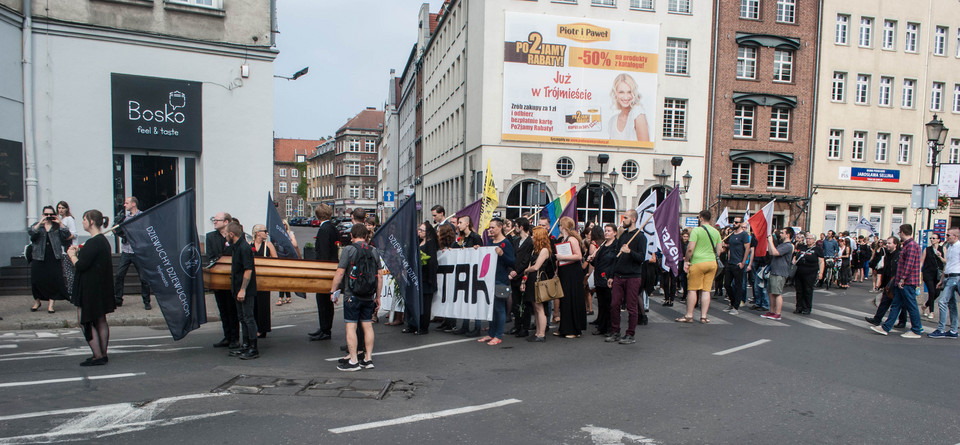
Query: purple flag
pixel 473 211
pixel 667 221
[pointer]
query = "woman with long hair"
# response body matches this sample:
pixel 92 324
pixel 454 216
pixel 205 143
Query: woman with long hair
pixel 94 287
pixel 630 121
pixel 572 309
pixel 592 237
pixel 543 267
pixel 261 306
pixel 428 247
pixel 603 260
pixel 66 219
pixel 844 254
pixel 48 237
pixel 931 271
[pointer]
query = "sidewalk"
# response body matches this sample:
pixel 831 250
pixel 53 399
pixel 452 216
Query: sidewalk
pixel 15 310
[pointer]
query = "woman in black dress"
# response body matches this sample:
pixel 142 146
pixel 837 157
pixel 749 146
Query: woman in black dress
pixel 48 238
pixel 93 287
pixel 541 267
pixel 428 247
pixel 572 308
pixel 261 306
pixel 931 271
pixel 603 260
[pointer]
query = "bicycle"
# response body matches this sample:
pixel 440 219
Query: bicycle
pixel 832 272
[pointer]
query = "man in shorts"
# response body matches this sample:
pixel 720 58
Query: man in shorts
pixel 781 258
pixel 700 264
pixel 356 308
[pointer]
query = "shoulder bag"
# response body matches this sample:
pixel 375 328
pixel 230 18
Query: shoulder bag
pixel 548 289
pixel 720 265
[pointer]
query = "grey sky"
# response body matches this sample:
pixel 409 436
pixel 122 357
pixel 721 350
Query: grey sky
pixel 350 47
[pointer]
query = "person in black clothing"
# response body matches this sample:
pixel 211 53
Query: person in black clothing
pixel 243 285
pixel 810 266
pixel 522 299
pixel 931 271
pixel 890 261
pixel 126 255
pixel 327 250
pixel 626 281
pixel 94 284
pixel 428 247
pixel 216 246
pixel 603 261
pixel 468 239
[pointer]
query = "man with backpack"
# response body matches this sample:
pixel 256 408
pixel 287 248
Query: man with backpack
pixel 359 272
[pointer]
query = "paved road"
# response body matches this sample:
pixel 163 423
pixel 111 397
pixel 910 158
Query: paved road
pixel 823 378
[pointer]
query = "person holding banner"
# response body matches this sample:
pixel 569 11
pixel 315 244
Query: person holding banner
pixel 468 238
pixel 216 246
pixel 261 305
pixel 94 287
pixel 243 285
pixel 572 308
pixel 626 281
pixel 544 266
pixel 501 292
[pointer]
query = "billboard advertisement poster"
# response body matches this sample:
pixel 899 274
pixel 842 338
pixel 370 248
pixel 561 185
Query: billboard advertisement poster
pixel 572 80
pixel 950 180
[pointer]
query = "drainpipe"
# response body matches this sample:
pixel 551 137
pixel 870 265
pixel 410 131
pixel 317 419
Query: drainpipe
pixel 29 145
pixel 713 103
pixel 813 128
pixel 466 40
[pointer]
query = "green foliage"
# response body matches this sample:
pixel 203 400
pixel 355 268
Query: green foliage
pixel 302 188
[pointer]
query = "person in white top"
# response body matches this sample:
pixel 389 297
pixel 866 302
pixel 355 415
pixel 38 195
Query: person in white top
pixel 66 218
pixel 949 283
pixel 631 122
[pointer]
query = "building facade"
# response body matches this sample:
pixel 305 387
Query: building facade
pixel 128 98
pixel 320 176
pixel 290 172
pixel 763 104
pixel 886 70
pixel 355 162
pixel 484 60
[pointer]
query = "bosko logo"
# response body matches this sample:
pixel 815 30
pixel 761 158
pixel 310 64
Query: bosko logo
pixel 169 112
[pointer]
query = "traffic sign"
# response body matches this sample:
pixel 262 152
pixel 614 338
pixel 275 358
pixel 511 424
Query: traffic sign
pixel 389 199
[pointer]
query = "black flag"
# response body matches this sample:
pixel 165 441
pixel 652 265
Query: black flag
pixel 278 233
pixel 399 247
pixel 165 242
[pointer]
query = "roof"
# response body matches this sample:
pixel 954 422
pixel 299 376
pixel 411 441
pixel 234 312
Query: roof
pixel 434 21
pixel 286 150
pixel 368 119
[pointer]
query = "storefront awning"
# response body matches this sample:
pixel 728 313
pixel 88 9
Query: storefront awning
pixel 761 157
pixel 767 40
pixel 765 100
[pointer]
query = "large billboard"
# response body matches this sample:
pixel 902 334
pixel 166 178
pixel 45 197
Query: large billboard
pixel 570 80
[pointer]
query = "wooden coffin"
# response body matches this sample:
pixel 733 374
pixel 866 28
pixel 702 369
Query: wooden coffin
pixel 277 274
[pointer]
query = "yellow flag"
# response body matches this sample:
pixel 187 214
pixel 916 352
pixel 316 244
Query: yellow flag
pixel 490 200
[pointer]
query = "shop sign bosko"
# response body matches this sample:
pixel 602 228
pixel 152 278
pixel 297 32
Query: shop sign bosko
pixel 153 113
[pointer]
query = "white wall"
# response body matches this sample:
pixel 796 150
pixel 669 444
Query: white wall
pixel 13 233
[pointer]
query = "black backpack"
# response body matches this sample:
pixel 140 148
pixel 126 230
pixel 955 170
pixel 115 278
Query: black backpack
pixel 362 276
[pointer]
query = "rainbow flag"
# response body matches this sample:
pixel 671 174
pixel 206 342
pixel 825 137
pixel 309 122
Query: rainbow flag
pixel 564 205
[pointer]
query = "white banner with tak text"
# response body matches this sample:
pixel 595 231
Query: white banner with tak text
pixel 465 283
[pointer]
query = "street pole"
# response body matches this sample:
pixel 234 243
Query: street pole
pixel 935 147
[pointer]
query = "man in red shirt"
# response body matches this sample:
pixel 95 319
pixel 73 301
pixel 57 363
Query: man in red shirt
pixel 905 286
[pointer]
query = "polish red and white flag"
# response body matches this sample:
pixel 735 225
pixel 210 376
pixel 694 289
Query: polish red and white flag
pixel 762 225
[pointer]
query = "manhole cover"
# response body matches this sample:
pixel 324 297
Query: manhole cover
pixel 347 388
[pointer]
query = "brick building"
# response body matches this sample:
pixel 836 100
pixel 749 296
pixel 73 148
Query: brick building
pixel 355 162
pixel 762 107
pixel 320 176
pixel 287 153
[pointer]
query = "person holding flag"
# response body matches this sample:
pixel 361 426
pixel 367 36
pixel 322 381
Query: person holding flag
pixel 701 267
pixel 626 280
pixel 781 257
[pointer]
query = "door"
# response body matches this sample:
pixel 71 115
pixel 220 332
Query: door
pixel 153 179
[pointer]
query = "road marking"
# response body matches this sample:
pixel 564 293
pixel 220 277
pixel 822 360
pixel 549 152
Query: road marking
pixel 609 436
pixel 82 350
pixel 845 310
pixel 740 348
pixel 852 321
pixel 753 318
pixel 676 313
pixel 89 409
pixel 398 351
pixel 71 379
pixel 140 338
pixel 816 323
pixel 283 326
pixel 13 346
pixel 420 417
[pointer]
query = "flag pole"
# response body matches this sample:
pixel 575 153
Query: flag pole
pixel 639 228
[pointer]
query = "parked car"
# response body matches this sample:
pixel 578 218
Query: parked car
pixel 344 230
pixel 313 222
pixel 297 221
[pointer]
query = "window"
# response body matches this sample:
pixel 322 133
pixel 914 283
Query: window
pixel 354 191
pixel 353 168
pixel 301 158
pixel 300 207
pixel 863 89
pixel 740 176
pixel 940 41
pixel 354 146
pixel 283 187
pixel 681 6
pixel 604 3
pixel 370 146
pixel 283 173
pixel 883 145
pixel 369 193
pixel 674 118
pixel 782 66
pixel 903 151
pixel 839 85
pixel 564 166
pixel 370 170
pixel 910 39
pixel 834 144
pixel 908 85
pixel 843 22
pixel 294 173
pixel 646 5
pixel 289 206
pixel 786 11
pixel 746 63
pixel 886 86
pixel 857 152
pixel 866 32
pixel 750 9
pixel 780 124
pixel 956 98
pixel 217 4
pixel 776 176
pixel 936 96
pixel 954 151
pixel 629 169
pixel 677 53
pixel 294 186
pixel 889 40
pixel 528 196
pixel 743 121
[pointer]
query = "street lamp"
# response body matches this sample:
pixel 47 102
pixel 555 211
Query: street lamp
pixel 675 161
pixel 662 177
pixel 936 137
pixel 686 181
pixel 296 75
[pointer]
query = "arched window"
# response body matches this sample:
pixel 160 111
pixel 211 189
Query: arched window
pixel 527 196
pixel 596 202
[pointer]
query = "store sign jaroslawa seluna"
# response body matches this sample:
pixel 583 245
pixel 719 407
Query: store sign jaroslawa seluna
pixel 153 113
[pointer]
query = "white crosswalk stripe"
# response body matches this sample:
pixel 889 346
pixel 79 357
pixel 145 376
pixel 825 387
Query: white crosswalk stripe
pixel 842 309
pixel 671 313
pixel 757 319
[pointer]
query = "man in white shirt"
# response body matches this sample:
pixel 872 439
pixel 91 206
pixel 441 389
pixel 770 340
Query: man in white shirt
pixel 949 284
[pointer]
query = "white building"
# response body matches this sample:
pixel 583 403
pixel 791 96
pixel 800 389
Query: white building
pixel 486 57
pixel 141 98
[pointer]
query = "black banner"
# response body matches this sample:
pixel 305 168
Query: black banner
pixel 399 247
pixel 278 234
pixel 156 114
pixel 165 242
